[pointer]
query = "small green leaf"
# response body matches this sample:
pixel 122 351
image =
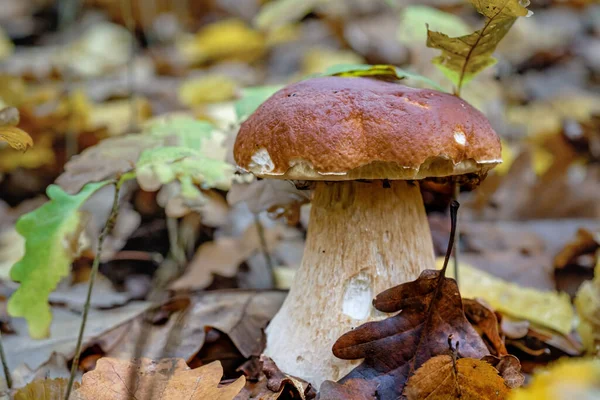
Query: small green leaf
pixel 465 56
pixel 252 98
pixel 191 132
pixel 51 235
pixel 415 19
pixel 380 71
pixel 160 166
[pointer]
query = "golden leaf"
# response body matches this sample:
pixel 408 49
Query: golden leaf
pixel 16 138
pixel 50 389
pixel 443 378
pixel 465 56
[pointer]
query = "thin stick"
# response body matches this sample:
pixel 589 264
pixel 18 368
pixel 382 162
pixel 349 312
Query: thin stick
pixel 457 241
pixel 5 364
pixel 86 308
pixel 454 205
pixel 263 244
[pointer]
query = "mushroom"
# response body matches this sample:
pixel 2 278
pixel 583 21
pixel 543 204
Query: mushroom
pixel 363 141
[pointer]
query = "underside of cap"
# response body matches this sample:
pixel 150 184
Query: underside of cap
pixel 358 128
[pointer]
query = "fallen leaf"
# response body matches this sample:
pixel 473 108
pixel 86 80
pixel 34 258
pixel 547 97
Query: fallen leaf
pixel 47 389
pixel 444 378
pixel 416 19
pixel 239 314
pixel 23 351
pixel 223 256
pixel 273 384
pixel 51 235
pixel 584 243
pixel 587 303
pixel 104 295
pixel 266 194
pixel 211 88
pixel 169 378
pixel 278 13
pixel 16 138
pixel 485 323
pixel 509 368
pixel 546 308
pixel 352 389
pixel 566 379
pixel 465 56
pixel 396 347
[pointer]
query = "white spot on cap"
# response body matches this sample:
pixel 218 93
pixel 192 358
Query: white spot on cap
pixel 261 160
pixel 459 137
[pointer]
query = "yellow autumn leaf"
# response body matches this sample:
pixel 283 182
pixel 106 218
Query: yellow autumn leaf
pixel 587 303
pixel 465 56
pixel 16 138
pixel 566 379
pixel 211 88
pixel 319 59
pixel 6 45
pixel 546 308
pixel 230 39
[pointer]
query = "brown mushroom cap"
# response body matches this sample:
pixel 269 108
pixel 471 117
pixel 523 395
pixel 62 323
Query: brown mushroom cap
pixel 335 128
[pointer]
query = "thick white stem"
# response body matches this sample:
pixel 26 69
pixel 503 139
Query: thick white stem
pixel 362 238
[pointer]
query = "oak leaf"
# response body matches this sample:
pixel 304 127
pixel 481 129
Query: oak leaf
pixel 352 389
pixel 50 389
pixel 465 56
pixel 485 323
pixel 167 379
pixel 430 311
pixel 442 377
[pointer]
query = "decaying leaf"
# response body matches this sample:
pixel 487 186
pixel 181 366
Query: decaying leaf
pixel 207 89
pixel 266 194
pixel 587 303
pixel 486 324
pixel 509 368
pixel 273 384
pixel 167 379
pixel 51 235
pixel 546 308
pixel 566 379
pixel 444 378
pixel 45 389
pixel 465 56
pixel 396 347
pixel 585 242
pixel 16 138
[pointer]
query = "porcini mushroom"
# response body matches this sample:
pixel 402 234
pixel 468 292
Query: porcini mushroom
pixel 363 141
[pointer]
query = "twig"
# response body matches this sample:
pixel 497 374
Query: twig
pixel 95 265
pixel 453 217
pixel 457 241
pixel 263 244
pixel 5 364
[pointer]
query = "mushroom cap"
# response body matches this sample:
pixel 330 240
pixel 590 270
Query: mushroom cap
pixel 334 128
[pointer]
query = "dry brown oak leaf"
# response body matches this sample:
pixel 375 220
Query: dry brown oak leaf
pixel 395 347
pixel 443 378
pixel 167 379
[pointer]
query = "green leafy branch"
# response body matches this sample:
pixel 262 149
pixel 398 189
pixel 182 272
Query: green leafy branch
pixel 465 56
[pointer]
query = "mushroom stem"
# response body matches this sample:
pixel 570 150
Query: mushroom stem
pixel 363 238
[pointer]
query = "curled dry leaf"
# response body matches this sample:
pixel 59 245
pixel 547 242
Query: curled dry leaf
pixel 273 384
pixel 167 379
pixel 485 323
pixel 267 194
pixel 442 377
pixel 587 303
pixel 585 242
pixel 16 138
pixel 509 368
pixel 430 311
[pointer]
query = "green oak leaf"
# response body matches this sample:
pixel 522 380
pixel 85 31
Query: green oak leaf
pixel 253 97
pixel 465 56
pixel 379 71
pixel 51 235
pixel 190 167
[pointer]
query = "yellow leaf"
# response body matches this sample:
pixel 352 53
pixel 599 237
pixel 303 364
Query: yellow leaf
pixel 469 379
pixel 546 308
pixel 212 88
pixel 39 155
pixel 566 379
pixel 6 45
pixel 16 138
pixel 319 59
pixel 46 389
pixel 465 56
pixel 587 303
pixel 229 39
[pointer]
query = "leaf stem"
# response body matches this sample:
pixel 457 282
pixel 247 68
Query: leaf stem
pixel 457 228
pixel 96 264
pixel 263 244
pixel 453 226
pixel 5 364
